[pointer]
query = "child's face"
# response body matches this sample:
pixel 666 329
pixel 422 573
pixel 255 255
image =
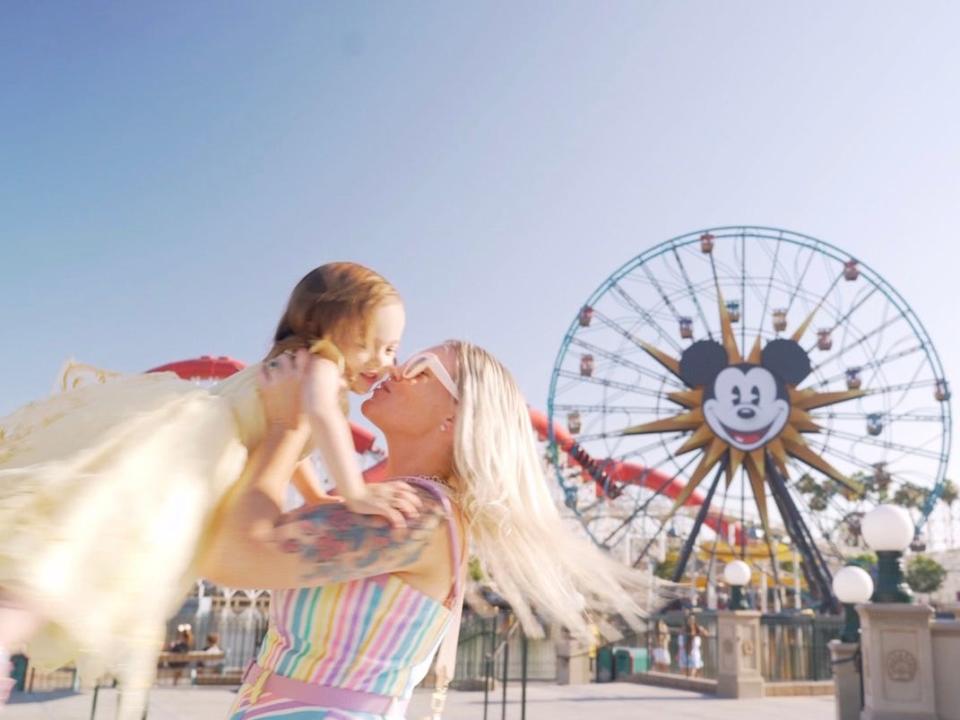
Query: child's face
pixel 370 356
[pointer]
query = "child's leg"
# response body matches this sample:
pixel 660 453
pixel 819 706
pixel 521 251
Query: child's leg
pixel 17 625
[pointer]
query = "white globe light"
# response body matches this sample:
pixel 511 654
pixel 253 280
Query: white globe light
pixel 887 528
pixel 852 585
pixel 737 572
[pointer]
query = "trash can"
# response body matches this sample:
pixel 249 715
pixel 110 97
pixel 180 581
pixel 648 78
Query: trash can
pixel 604 664
pixel 19 671
pixel 641 659
pixel 630 661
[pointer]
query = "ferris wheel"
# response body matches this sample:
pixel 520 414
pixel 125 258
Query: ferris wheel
pixel 746 382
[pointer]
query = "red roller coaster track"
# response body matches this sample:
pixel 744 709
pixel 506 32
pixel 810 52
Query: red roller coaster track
pixel 217 368
pixel 630 473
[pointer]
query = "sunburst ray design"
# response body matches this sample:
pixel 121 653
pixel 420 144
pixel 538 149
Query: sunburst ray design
pixel 756 473
pixel 811 399
pixel 726 328
pixel 789 443
pixel 665 359
pixel 710 458
pixel 736 460
pixel 701 436
pixel 687 398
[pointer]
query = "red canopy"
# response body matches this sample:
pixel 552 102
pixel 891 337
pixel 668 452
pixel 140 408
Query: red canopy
pixel 207 367
pixel 204 367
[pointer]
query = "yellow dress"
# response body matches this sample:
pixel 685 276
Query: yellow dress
pixel 105 491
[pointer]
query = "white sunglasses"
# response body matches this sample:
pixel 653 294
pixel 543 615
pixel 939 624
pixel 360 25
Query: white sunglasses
pixel 423 361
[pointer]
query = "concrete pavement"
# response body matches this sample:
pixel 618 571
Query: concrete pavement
pixel 610 701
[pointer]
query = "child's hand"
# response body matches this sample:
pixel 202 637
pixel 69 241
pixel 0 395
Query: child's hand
pixel 395 500
pixel 279 383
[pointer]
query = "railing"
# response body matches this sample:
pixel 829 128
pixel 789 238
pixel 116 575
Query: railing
pixel 239 617
pixel 795 646
pixel 38 681
pixel 476 640
pixel 508 632
pixel 709 647
pixel 480 637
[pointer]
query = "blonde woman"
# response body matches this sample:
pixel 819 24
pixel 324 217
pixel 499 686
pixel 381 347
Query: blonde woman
pixel 362 608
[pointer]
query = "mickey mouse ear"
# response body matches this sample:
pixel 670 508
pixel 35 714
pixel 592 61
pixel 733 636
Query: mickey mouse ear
pixel 787 360
pixel 702 362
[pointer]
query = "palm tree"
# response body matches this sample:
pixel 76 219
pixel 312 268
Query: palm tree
pixel 949 495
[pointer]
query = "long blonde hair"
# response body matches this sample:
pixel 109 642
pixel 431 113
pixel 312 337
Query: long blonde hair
pixel 535 560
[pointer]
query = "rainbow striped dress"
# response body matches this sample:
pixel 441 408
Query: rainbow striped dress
pixel 374 635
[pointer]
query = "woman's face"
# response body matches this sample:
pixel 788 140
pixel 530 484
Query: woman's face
pixel 416 405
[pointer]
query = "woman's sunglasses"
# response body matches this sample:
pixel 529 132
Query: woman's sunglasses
pixel 424 361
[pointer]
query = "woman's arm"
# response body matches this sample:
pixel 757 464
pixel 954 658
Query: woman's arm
pixel 326 544
pixel 254 544
pixel 257 545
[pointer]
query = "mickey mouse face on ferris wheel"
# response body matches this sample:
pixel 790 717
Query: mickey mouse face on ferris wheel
pixel 746 405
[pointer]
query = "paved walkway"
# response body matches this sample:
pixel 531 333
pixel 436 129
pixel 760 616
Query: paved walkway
pixel 610 701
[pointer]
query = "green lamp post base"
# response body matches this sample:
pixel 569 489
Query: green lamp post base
pixel 851 624
pixel 737 601
pixel 891 587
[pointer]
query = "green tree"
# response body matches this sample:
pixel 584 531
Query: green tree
pixel 909 495
pixel 806 483
pixel 475 569
pixel 924 574
pixel 820 498
pixel 666 569
pixel 949 492
pixel 867 561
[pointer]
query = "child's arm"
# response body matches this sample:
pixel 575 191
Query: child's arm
pixel 307 483
pixel 331 432
pixel 322 382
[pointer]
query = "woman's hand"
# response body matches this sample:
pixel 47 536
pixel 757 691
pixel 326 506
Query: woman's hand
pixel 280 383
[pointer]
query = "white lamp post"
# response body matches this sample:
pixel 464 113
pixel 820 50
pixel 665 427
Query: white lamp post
pixel 737 574
pixel 852 586
pixel 889 531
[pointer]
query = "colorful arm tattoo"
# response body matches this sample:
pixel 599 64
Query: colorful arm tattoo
pixel 336 545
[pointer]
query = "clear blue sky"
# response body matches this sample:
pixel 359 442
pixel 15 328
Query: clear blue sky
pixel 169 170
